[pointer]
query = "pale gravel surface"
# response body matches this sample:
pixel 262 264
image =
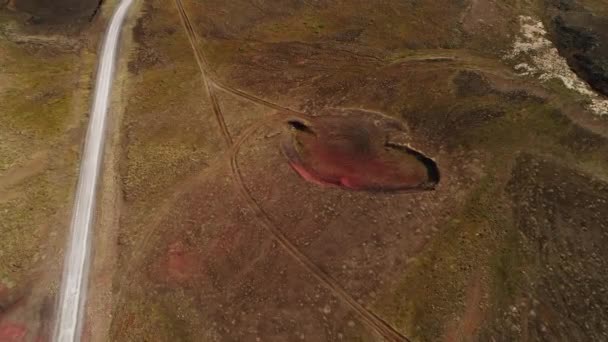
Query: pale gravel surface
pixel 539 58
pixel 76 268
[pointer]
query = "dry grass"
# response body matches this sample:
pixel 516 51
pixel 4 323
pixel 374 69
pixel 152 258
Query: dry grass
pixel 43 100
pixel 411 259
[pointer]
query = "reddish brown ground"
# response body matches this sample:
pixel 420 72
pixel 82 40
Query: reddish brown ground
pixel 247 251
pixel 11 332
pixel 180 264
pixel 18 322
pixel 472 317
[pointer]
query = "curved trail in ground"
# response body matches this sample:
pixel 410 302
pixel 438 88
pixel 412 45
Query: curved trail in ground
pixel 368 317
pixel 372 320
pixel 74 283
pixel 200 60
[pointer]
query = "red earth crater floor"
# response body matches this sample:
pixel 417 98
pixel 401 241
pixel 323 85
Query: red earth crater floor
pixel 358 153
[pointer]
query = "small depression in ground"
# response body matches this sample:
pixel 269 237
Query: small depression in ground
pixel 358 150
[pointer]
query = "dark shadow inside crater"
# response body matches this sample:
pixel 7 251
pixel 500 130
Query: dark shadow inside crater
pixel 300 126
pixel 432 169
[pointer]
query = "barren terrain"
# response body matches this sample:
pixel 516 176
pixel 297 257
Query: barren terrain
pixel 246 217
pixel 322 171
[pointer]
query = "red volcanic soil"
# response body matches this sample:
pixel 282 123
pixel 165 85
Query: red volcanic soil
pixel 355 152
pixel 10 332
pixel 15 317
pixel 182 263
pixel 179 263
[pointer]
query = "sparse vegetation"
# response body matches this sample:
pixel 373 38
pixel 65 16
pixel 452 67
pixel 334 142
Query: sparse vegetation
pixel 226 242
pixel 467 105
pixel 44 84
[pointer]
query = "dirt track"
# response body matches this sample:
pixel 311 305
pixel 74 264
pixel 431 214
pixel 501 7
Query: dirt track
pixel 197 257
pixel 370 318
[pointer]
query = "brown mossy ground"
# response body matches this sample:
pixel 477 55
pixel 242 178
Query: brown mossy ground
pixel 390 25
pixel 458 262
pixel 168 133
pixel 483 240
pixel 44 89
pixel 167 124
pixel 561 231
pixel 34 114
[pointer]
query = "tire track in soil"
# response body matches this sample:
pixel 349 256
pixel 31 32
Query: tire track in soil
pixel 148 239
pixel 200 60
pixel 211 83
pixel 368 317
pixel 257 100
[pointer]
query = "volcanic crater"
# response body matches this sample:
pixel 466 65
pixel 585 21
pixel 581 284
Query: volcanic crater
pixel 358 150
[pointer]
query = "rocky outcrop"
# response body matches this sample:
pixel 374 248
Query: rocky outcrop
pixel 581 37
